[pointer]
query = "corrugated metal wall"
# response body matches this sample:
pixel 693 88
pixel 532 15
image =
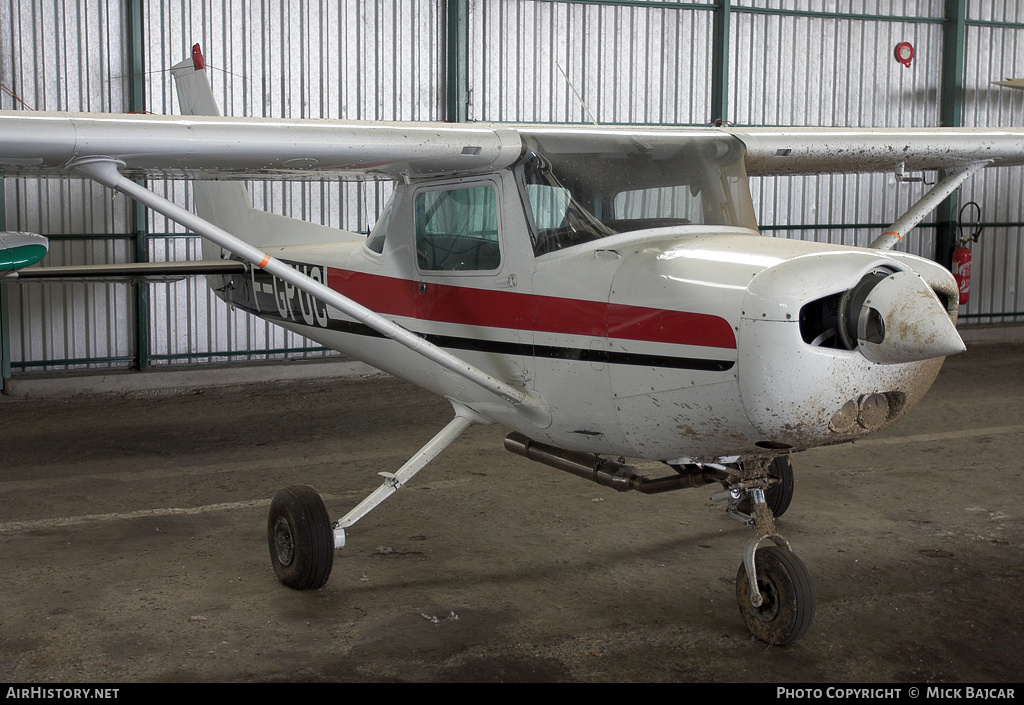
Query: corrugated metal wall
pixel 356 60
pixel 582 62
pixel 995 51
pixel 783 62
pixel 811 70
pixel 41 44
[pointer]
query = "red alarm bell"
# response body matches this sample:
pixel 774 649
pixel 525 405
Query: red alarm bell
pixel 904 53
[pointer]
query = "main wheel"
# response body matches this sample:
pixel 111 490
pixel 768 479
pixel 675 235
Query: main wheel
pixel 787 593
pixel 301 538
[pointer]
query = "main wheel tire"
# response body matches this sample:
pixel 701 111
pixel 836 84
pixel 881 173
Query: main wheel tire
pixel 301 538
pixel 787 592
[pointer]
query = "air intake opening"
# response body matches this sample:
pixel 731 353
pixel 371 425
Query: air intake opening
pixel 838 320
pixel 819 322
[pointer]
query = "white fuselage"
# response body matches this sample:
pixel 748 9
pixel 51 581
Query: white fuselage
pixel 672 343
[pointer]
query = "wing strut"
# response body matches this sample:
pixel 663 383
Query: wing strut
pixel 927 203
pixel 104 170
pixel 464 418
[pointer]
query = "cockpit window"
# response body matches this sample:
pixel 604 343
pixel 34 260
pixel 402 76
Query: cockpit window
pixel 584 187
pixel 549 203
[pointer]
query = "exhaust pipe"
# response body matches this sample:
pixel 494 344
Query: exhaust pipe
pixel 609 473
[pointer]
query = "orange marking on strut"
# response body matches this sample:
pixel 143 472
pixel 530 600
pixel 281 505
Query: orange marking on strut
pixel 898 236
pixel 266 258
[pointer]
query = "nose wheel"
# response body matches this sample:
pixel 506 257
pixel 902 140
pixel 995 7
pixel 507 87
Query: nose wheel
pixel 783 608
pixel 774 591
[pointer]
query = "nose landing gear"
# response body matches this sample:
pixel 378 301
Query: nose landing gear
pixel 774 591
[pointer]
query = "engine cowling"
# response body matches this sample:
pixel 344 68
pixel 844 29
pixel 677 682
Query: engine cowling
pixel 839 344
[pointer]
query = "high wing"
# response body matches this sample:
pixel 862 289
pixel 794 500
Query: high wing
pixel 205 147
pixel 223 148
pixel 811 150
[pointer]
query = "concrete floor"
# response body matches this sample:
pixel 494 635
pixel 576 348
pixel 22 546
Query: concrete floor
pixel 132 526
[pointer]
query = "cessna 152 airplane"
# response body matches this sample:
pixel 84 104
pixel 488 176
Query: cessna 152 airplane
pixel 602 292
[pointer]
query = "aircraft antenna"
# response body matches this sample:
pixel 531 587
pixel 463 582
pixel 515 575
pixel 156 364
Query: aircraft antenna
pixel 577 93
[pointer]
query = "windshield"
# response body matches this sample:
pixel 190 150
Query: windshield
pixel 584 186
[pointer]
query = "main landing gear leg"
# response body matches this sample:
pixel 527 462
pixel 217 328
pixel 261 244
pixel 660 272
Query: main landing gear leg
pixel 773 588
pixel 302 540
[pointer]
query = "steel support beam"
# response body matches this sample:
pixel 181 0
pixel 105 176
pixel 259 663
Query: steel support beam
pixel 137 103
pixel 720 62
pixel 457 61
pixel 5 320
pixel 951 115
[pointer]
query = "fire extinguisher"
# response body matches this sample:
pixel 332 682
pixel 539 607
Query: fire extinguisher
pixel 961 265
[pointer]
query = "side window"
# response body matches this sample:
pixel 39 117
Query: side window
pixel 457 229
pixel 375 241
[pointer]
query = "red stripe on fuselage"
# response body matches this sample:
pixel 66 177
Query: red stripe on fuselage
pixel 443 303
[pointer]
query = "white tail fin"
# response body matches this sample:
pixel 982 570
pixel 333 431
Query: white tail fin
pixel 226 204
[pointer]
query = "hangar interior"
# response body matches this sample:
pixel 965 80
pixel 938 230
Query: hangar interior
pixel 136 525
pixel 743 62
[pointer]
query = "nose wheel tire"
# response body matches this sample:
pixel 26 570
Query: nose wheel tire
pixel 301 538
pixel 778 495
pixel 787 594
